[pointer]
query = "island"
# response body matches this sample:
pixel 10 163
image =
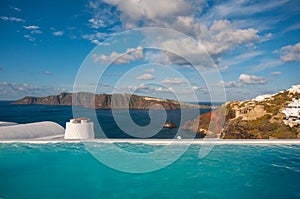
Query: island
pixel 107 101
pixel 275 116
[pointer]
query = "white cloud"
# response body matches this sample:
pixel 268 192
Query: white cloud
pixel 150 90
pixel 146 76
pixel 243 57
pixel 12 19
pixel 290 53
pixel 224 68
pixel 174 81
pixel 244 8
pixel 252 79
pixel 215 40
pixel 95 38
pixel 265 63
pixel 276 73
pixel 229 84
pixel 36 32
pixel 222 36
pixel 58 33
pixel 162 89
pixel 29 37
pixel 16 9
pixel 150 70
pixel 218 38
pixel 31 27
pixel 131 54
pixel 292 27
pixel 48 72
pixel 152 13
pixel 18 90
pixel 199 88
pixel 103 16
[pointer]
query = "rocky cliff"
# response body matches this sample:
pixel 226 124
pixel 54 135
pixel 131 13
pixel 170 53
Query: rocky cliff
pixel 259 118
pixel 105 101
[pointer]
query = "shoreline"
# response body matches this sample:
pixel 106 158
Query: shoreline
pixel 161 141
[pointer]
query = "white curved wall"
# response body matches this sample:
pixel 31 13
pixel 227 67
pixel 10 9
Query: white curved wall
pixel 7 124
pixel 31 131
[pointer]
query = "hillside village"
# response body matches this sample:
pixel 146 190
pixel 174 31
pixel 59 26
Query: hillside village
pixel 264 117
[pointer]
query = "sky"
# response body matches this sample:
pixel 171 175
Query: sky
pixel 234 49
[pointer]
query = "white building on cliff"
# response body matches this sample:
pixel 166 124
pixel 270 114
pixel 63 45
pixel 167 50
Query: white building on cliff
pixel 292 112
pixel 295 89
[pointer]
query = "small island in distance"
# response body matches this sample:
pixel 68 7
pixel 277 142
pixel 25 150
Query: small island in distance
pixel 108 101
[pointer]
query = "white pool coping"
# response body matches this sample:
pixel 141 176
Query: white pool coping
pixel 160 141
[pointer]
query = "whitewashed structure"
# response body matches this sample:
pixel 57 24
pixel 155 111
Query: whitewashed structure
pixel 80 128
pixel 7 124
pixel 261 98
pixel 37 130
pixel 295 89
pixel 292 112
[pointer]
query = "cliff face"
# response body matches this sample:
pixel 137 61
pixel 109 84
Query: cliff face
pixel 251 119
pixel 104 101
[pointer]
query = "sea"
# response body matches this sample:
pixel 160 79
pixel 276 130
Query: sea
pixel 70 170
pixel 20 113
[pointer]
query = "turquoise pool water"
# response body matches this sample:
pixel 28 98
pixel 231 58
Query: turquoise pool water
pixel 67 170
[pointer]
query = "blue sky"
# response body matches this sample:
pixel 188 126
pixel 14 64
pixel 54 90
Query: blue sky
pixel 255 45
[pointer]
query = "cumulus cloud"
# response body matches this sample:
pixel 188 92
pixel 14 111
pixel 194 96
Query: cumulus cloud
pixel 95 38
pixel 131 54
pixel 146 76
pixel 162 89
pixel 224 68
pixel 229 84
pixel 223 36
pixel 215 40
pixel 29 37
pixel 152 13
pixel 17 90
pixel 103 15
pixel 12 19
pixel 31 27
pixel 185 16
pixel 174 81
pixel 290 53
pixel 148 89
pixel 252 79
pixel 58 33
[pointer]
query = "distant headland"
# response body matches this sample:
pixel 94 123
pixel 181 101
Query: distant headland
pixel 107 101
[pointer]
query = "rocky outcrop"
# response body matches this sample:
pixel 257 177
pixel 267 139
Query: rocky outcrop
pixel 169 125
pixel 251 119
pixel 104 101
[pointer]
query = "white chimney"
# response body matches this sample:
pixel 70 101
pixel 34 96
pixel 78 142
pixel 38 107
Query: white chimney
pixel 79 128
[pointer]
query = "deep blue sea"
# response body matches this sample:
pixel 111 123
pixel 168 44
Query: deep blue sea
pixel 62 114
pixel 69 170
